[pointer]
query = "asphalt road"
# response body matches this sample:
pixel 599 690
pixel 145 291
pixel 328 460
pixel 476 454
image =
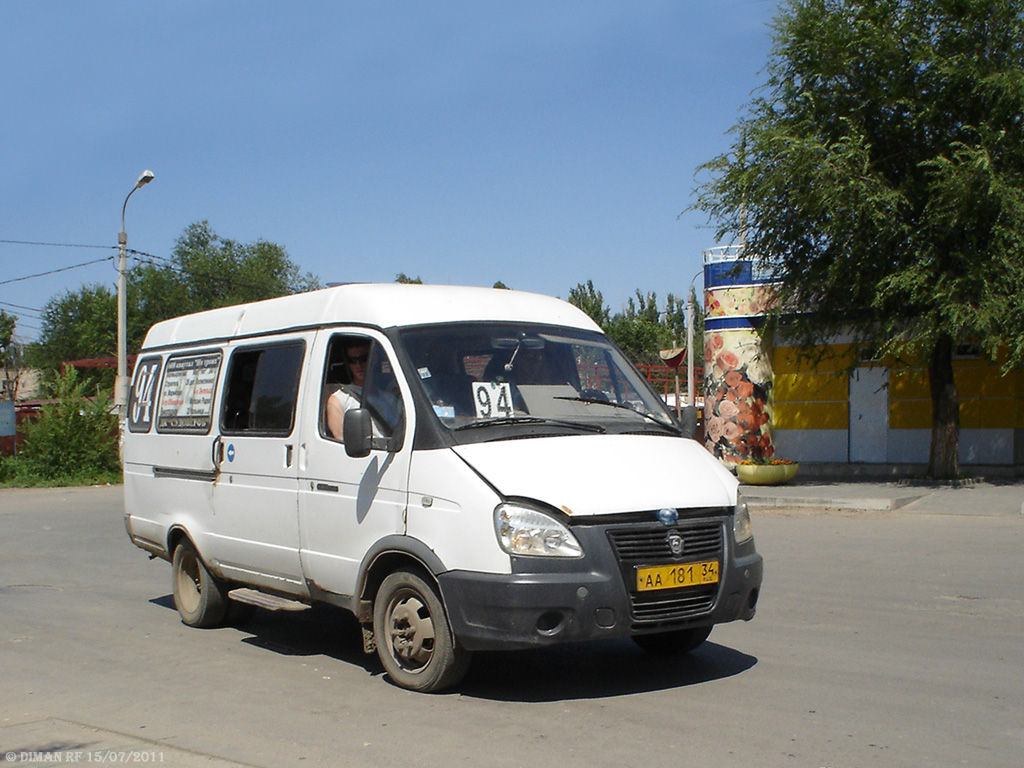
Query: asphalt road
pixel 889 638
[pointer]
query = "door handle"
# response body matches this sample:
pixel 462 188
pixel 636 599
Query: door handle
pixel 217 453
pixel 327 487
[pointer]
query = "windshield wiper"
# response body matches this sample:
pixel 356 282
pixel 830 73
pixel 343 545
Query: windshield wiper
pixel 506 420
pixel 610 404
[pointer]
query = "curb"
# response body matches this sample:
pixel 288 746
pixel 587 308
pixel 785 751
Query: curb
pixel 867 503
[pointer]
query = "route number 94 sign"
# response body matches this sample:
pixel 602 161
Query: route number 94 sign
pixel 493 399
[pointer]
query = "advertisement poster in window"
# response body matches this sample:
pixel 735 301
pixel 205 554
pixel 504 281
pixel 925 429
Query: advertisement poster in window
pixel 186 396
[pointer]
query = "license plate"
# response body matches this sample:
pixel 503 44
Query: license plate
pixel 676 576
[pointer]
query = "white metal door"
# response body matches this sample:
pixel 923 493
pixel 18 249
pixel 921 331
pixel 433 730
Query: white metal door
pixel 346 504
pixel 255 504
pixel 869 415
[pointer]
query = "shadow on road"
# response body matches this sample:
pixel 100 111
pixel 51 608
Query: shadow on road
pixel 598 669
pixel 322 630
pixel 595 670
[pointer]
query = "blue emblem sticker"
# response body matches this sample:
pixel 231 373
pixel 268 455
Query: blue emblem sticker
pixel 667 516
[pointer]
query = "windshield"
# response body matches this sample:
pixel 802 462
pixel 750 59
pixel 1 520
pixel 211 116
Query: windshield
pixel 485 375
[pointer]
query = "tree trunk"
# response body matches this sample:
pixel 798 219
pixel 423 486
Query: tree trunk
pixel 944 457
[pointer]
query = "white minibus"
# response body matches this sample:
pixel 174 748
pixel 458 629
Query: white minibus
pixel 463 469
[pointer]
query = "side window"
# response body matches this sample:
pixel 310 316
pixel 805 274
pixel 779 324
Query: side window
pixel 262 389
pixel 344 376
pixel 187 391
pixel 358 374
pixel 142 397
pixel 382 397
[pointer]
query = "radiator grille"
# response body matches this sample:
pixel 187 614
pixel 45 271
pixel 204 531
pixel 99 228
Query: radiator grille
pixel 650 545
pixel 684 604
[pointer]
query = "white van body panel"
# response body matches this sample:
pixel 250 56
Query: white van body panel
pixel 160 486
pixel 156 503
pixel 451 509
pixel 255 509
pixel 346 504
pixel 605 474
pixel 384 306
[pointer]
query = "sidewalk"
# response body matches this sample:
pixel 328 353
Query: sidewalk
pixel 978 498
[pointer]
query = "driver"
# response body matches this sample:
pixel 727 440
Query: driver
pixel 348 396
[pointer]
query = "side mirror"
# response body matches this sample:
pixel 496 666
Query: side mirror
pixel 357 432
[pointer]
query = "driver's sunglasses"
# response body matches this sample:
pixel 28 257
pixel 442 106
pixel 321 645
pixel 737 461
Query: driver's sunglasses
pixel 357 360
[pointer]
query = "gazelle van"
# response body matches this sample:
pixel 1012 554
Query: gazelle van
pixel 504 477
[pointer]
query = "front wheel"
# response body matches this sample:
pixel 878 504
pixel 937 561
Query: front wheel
pixel 198 595
pixel 414 640
pixel 675 641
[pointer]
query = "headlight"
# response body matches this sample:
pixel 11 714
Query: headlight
pixel 524 530
pixel 741 528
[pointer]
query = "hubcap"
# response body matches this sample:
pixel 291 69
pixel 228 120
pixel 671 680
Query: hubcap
pixel 188 583
pixel 411 632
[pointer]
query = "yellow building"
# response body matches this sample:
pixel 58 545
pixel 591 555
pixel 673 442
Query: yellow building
pixel 766 400
pixel 881 411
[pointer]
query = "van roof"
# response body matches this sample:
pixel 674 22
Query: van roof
pixel 383 305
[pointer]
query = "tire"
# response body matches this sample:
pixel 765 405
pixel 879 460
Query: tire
pixel 414 640
pixel 200 598
pixel 676 641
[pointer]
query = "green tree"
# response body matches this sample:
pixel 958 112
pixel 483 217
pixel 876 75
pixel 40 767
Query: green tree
pixel 880 176
pixel 77 325
pixel 207 271
pixel 590 300
pixel 74 441
pixel 203 272
pixel 641 329
pixel 401 277
pixel 10 356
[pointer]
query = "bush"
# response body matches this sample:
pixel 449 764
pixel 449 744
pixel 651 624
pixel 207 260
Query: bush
pixel 73 442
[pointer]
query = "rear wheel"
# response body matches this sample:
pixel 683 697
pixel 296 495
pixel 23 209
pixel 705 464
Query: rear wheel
pixel 199 596
pixel 676 641
pixel 414 640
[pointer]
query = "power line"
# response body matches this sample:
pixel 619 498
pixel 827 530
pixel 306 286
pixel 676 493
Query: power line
pixel 168 264
pixel 54 245
pixel 19 306
pixel 55 271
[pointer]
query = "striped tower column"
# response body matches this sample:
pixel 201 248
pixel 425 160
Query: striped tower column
pixel 738 402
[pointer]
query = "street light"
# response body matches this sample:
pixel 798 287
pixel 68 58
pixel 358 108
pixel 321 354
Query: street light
pixel 121 385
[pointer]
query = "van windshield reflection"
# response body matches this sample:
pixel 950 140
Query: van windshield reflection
pixel 500 374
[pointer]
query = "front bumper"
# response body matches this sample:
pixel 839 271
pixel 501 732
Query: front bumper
pixel 551 600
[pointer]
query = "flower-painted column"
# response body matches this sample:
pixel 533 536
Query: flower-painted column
pixel 737 369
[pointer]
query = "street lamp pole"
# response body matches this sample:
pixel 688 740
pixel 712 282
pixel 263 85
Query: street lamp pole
pixel 121 385
pixel 690 378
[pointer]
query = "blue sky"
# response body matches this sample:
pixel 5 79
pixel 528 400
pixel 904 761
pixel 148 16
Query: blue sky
pixel 542 144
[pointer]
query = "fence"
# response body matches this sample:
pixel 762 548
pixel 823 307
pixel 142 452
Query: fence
pixel 663 380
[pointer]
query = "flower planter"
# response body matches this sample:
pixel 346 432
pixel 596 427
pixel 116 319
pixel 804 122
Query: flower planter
pixel 766 474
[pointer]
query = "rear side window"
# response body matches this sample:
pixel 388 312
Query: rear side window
pixel 262 389
pixel 186 394
pixel 142 396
